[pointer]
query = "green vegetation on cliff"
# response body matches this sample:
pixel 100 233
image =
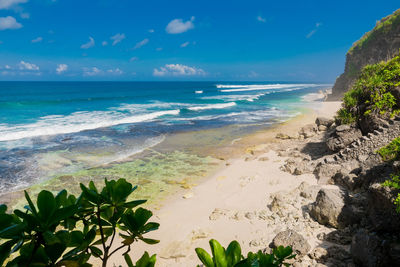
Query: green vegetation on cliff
pixel 373 93
pixel 383 26
pixel 391 152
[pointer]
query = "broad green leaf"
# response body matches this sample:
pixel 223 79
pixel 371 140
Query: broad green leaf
pixel 150 241
pixel 233 253
pixel 134 203
pixel 3 208
pixel 12 231
pixel 204 257
pixel 46 204
pixel 218 254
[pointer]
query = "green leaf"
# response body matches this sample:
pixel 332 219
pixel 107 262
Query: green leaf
pixel 3 208
pixel 134 203
pixel 96 251
pixel 61 198
pixel 150 241
pixel 50 238
pixel 204 257
pixel 62 214
pixel 46 204
pixel 218 254
pixel 233 253
pixel 146 260
pixel 5 250
pixel 30 203
pixel 12 231
pixel 128 260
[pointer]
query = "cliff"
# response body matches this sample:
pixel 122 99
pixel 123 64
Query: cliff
pixel 380 44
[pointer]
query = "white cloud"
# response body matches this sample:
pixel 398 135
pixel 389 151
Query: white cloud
pixel 133 59
pixel 27 66
pixel 185 44
pixel 88 44
pixel 177 70
pixel 179 26
pixel 117 38
pixel 25 15
pixel 8 67
pixel 261 19
pixel 116 71
pixel 9 23
pixel 151 30
pixel 37 40
pixel 311 33
pixel 92 71
pixel 6 4
pixel 61 68
pixel 104 43
pixel 141 43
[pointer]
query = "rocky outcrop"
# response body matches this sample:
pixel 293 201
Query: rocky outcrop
pixel 382 43
pixel 330 208
pixel 342 137
pixel 291 238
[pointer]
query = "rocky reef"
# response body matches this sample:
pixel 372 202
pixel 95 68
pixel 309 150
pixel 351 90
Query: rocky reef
pixel 380 44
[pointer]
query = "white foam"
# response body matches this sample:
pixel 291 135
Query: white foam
pixel 257 87
pixel 198 92
pixel 76 122
pixel 232 98
pixel 312 97
pixel 213 106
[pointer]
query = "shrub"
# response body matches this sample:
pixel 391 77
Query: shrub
pixel 232 256
pixel 63 230
pixel 372 93
pixel 391 152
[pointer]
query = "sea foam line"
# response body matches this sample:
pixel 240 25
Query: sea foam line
pixel 52 125
pixel 213 106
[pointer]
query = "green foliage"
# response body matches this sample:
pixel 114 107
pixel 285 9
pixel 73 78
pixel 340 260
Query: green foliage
pixel 47 234
pixel 383 26
pixel 372 93
pixel 232 256
pixel 391 151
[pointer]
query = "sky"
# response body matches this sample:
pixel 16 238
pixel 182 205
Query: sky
pixel 124 40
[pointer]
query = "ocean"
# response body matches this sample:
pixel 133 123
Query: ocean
pixel 53 128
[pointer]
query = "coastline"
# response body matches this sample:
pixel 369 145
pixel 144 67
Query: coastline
pixel 236 202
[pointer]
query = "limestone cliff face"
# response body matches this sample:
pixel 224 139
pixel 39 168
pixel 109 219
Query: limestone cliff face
pixel 381 43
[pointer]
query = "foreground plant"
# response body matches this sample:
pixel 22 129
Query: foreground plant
pixel 63 230
pixel 232 256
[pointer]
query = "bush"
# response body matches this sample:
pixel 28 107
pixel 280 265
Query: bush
pixel 391 152
pixel 232 256
pixel 372 93
pixel 63 230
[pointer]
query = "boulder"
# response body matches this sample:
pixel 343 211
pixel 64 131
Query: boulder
pixel 325 172
pixel 291 238
pixel 324 122
pixel 308 191
pixel 308 131
pixel 367 250
pixel 342 137
pixel 330 208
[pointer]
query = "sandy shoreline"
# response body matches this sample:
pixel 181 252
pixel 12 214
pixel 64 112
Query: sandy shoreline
pixel 233 204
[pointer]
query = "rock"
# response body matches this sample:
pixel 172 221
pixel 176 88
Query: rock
pixel 291 238
pixel 322 128
pixel 218 213
pixel 188 195
pixel 325 172
pixel 251 215
pixel 342 137
pixel 308 191
pixel 282 136
pixel 263 159
pixel 367 250
pixel 319 254
pixel 308 130
pixel 330 209
pixel 322 121
pixel 381 209
pixel 343 128
pixel 348 180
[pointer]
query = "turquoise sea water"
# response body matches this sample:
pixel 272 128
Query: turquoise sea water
pixel 38 120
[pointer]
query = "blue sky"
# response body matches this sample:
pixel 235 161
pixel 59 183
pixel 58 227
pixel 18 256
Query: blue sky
pixel 181 40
